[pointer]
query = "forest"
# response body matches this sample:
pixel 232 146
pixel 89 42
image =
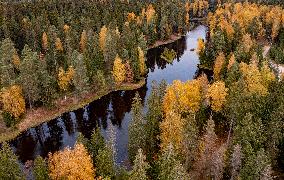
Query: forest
pixel 230 125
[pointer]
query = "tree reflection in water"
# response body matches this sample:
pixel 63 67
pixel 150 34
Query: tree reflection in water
pixel 111 110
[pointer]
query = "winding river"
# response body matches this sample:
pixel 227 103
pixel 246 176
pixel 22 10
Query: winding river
pixel 113 111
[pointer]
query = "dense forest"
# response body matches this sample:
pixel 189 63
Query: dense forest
pixel 229 126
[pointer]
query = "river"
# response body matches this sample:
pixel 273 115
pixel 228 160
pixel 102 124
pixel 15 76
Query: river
pixel 113 111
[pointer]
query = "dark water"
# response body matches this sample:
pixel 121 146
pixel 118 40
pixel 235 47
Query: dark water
pixel 113 111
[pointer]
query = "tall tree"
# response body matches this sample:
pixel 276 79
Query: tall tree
pixel 9 166
pixel 139 171
pixel 40 170
pixel 136 128
pixel 7 74
pixel 80 79
pixel 28 76
pixel 170 167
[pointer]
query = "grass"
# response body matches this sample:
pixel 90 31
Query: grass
pixel 40 115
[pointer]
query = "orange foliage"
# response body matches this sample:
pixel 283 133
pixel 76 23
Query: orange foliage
pixel 65 78
pixel 217 93
pixel 13 100
pixel 58 45
pixel 71 164
pixel 218 65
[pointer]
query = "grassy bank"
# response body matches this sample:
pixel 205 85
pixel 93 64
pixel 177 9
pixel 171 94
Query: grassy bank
pixel 40 115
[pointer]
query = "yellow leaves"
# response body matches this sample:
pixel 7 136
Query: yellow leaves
pixel 232 61
pixel 58 45
pixel 44 41
pixel 150 13
pixel 274 18
pixel 142 65
pixel 131 17
pixel 217 93
pixel 83 41
pixel 71 164
pixel 65 78
pixel 13 100
pixel 200 46
pixel 253 79
pixel 16 60
pixel 66 28
pixel 102 38
pixel 119 72
pixel 183 97
pixel 247 43
pixel 226 27
pixel 172 131
pixel 267 75
pixel 218 65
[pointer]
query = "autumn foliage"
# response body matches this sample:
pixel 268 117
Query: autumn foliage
pixel 119 72
pixel 71 164
pixel 13 100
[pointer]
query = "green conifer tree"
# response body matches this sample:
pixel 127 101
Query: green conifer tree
pixel 137 138
pixel 28 76
pixel 9 166
pixel 139 171
pixel 40 171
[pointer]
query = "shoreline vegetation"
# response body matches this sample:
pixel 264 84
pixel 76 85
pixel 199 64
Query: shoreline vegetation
pixel 37 116
pixel 53 54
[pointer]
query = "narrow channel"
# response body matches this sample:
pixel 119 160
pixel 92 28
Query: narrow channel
pixel 113 111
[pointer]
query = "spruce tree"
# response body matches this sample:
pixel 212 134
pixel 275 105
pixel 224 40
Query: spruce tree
pixel 80 80
pixel 9 166
pixel 136 128
pixel 170 166
pixel 7 74
pixel 153 117
pixel 28 76
pixel 40 171
pixel 139 171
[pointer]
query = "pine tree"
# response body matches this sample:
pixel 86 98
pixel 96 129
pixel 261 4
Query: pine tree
pixel 7 74
pixel 96 142
pixel 9 166
pixel 40 171
pixel 153 117
pixel 136 128
pixel 142 65
pixel 170 167
pixel 46 84
pixel 104 162
pixel 189 141
pixel 80 79
pixel 236 162
pixel 140 167
pixel 28 76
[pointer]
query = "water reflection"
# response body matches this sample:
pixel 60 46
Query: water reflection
pixel 112 111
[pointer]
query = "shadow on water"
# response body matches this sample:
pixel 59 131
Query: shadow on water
pixel 112 110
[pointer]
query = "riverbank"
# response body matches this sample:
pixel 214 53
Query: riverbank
pixel 41 115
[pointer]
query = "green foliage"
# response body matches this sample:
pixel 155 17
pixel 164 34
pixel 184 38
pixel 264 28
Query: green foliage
pixel 153 117
pixel 9 166
pixel 170 167
pixel 7 74
pixel 9 119
pixel 80 80
pixel 139 171
pixel 137 137
pixel 104 162
pixel 168 55
pixel 28 76
pixel 40 170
